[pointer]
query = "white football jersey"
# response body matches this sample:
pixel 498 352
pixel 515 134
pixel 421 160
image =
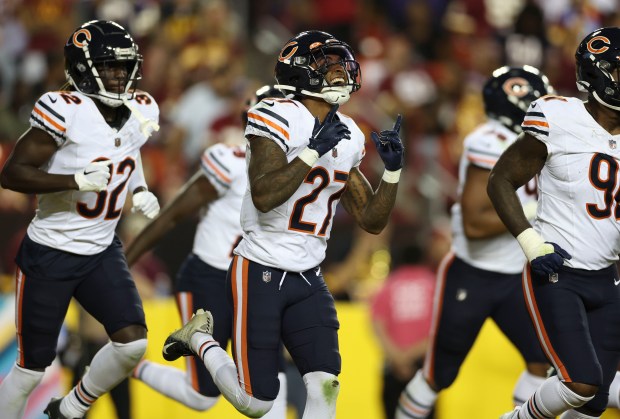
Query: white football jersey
pixel 219 229
pixel 84 222
pixel 293 236
pixel 578 187
pixel 502 253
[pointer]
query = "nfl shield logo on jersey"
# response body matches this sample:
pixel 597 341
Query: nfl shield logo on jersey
pixel 266 276
pixel 612 144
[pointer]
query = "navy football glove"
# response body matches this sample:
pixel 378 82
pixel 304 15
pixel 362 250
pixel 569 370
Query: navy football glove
pixel 549 263
pixel 328 134
pixel 390 147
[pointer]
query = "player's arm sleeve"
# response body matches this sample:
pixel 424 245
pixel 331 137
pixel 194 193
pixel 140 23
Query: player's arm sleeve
pixel 535 122
pixel 265 121
pixel 482 151
pixel 216 166
pixel 50 115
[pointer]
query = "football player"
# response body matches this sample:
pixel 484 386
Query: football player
pixel 81 156
pixel 571 282
pixel 303 159
pixel 480 277
pixel 216 190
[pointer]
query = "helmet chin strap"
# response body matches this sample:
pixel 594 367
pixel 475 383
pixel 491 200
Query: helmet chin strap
pixel 602 102
pixel 330 94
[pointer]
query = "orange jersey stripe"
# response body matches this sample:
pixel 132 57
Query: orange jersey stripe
pixel 217 171
pixel 537 123
pixel 273 125
pixel 50 120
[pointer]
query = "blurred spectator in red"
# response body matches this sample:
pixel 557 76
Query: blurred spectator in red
pixel 401 316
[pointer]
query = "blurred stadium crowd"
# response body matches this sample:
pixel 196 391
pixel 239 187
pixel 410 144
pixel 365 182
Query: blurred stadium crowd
pixel 425 59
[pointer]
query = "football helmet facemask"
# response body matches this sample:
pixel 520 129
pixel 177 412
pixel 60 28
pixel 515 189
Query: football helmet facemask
pixel 95 55
pixel 305 61
pixel 598 66
pixel 509 92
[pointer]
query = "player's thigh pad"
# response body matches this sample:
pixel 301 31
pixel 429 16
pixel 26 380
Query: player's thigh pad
pixel 310 324
pixel 511 316
pixel 465 296
pixel 109 293
pixel 578 322
pixel 45 282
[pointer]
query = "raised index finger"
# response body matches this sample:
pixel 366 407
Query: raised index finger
pixel 396 128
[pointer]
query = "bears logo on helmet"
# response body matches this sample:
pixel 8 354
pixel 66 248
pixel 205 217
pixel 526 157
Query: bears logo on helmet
pixel 303 64
pixel 94 48
pixel 598 66
pixel 509 92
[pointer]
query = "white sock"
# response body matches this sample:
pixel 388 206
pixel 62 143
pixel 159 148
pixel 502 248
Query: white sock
pixel 173 383
pixel 417 400
pixel 322 389
pixel 15 389
pixel 573 414
pixel 110 365
pixel 614 392
pixel 224 373
pixel 278 410
pixel 525 387
pixel 551 399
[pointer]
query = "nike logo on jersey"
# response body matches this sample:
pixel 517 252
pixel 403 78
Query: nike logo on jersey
pixel 53 100
pixel 616 281
pixel 268 104
pixel 534 105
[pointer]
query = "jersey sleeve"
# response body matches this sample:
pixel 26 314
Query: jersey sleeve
pixel 147 105
pixel 535 121
pixel 483 147
pixel 50 114
pixel 218 166
pixel 269 119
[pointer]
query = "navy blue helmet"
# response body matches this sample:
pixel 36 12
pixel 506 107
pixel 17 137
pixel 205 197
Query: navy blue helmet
pixel 303 63
pixel 509 92
pixel 97 44
pixel 598 66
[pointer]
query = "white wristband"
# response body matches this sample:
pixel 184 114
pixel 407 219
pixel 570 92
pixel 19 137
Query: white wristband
pixel 533 244
pixel 530 210
pixel 308 156
pixel 391 177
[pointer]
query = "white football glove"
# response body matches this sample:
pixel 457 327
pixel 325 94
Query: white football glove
pixel 94 177
pixel 146 203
